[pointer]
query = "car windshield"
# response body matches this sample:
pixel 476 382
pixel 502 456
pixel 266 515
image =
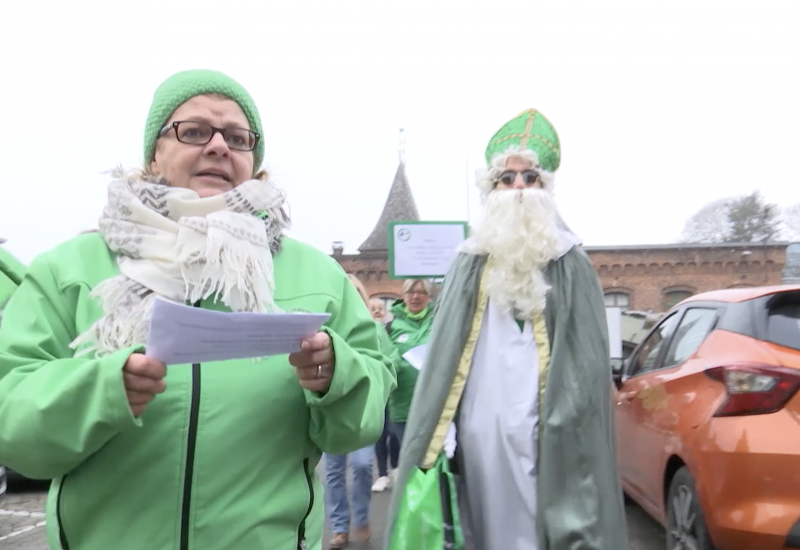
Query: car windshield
pixel 783 327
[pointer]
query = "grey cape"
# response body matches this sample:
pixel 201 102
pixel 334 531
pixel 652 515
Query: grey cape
pixel 579 498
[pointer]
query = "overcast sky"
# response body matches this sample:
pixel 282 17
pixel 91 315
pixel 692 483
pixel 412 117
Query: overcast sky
pixel 661 107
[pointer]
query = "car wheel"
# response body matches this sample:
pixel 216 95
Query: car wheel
pixel 686 527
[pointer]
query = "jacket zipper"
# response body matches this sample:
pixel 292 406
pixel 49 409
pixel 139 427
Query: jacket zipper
pixel 62 535
pixel 301 529
pixel 191 444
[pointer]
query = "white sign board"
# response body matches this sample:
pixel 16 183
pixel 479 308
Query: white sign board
pixel 423 249
pixel 614 321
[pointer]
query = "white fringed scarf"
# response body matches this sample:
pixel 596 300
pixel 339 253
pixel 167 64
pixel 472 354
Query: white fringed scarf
pixel 172 244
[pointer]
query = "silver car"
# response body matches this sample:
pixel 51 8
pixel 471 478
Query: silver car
pixel 3 482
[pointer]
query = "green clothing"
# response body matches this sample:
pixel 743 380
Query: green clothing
pixel 407 331
pixel 225 458
pixel 11 273
pixel 579 497
pixel 386 344
pixel 528 130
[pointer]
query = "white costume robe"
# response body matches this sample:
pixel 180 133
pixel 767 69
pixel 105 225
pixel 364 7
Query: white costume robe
pixel 497 435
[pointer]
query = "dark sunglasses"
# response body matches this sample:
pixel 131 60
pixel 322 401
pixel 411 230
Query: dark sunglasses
pixel 510 176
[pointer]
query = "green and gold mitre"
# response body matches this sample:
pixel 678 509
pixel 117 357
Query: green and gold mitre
pixel 529 130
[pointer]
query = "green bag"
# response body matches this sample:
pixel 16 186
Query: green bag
pixel 428 518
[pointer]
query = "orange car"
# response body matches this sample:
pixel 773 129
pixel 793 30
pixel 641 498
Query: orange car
pixel 708 421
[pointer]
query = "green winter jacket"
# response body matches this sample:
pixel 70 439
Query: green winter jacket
pixel 224 459
pixel 406 333
pixel 387 346
pixel 11 273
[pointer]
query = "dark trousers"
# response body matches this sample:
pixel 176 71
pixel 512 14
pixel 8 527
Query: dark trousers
pixel 387 449
pixel 398 429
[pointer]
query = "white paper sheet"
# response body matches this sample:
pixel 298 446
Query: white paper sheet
pixel 182 334
pixel 416 356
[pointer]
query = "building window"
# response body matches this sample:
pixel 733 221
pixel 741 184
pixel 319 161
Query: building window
pixel 674 297
pixel 617 299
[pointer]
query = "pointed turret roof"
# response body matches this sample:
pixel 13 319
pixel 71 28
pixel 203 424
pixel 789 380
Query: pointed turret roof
pixel 399 206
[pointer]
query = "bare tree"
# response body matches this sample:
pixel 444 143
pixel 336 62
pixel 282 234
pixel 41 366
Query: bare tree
pixel 751 219
pixel 745 218
pixel 710 224
pixel 791 221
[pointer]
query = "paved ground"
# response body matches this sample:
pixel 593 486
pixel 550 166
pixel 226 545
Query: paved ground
pixel 22 522
pixel 22 518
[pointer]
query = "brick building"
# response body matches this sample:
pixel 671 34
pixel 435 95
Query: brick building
pixel 642 277
pixel 657 277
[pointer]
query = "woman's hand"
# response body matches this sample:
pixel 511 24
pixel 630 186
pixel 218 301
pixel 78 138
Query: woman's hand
pixel 314 363
pixel 144 379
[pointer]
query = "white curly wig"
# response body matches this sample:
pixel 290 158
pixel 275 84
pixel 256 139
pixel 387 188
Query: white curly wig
pixel 487 177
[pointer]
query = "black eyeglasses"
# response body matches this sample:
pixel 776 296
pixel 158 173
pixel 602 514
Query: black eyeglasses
pixel 199 133
pixel 510 176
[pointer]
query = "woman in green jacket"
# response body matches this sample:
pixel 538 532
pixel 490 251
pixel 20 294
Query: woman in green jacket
pixel 193 457
pixel 11 273
pixel 339 505
pixel 411 327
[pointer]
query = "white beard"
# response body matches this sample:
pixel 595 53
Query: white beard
pixel 519 232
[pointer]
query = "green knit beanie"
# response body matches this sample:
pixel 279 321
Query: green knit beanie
pixel 528 130
pixel 181 87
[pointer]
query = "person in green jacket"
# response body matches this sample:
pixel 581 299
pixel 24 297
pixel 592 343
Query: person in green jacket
pixel 360 462
pixel 11 273
pixel 387 449
pixel 411 327
pixel 196 456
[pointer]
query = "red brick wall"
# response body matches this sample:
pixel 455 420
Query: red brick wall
pixel 648 274
pixel 645 274
pixel 372 269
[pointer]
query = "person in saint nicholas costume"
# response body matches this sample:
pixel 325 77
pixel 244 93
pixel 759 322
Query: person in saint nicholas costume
pixel 517 376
